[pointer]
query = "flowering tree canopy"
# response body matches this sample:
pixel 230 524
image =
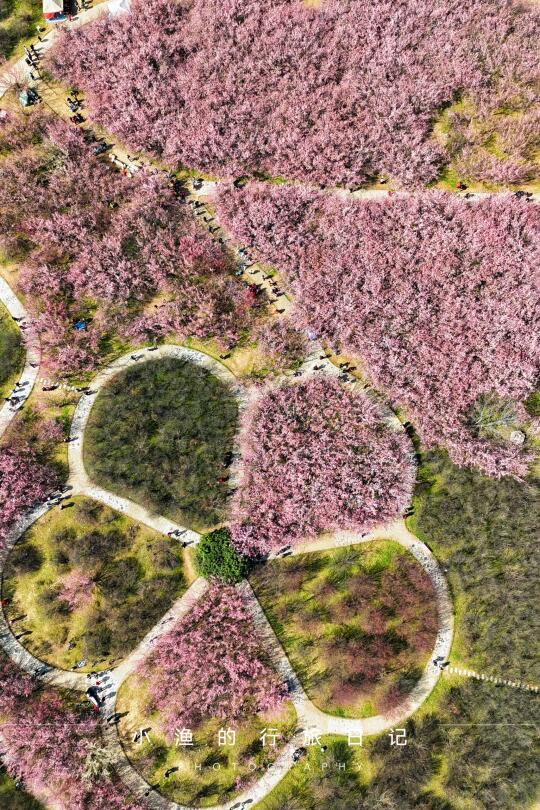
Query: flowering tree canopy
pixel 24 481
pixel 282 342
pixel 102 247
pixel 340 93
pixel 212 664
pixel 437 296
pixel 47 739
pixel 317 458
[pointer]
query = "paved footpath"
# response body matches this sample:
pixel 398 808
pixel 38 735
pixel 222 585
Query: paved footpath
pixel 19 71
pixel 309 716
pixel 33 354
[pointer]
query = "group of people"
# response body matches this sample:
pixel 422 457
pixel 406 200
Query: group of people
pixel 17 396
pixel 176 534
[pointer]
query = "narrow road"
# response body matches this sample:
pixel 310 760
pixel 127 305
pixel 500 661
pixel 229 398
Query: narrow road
pixel 30 371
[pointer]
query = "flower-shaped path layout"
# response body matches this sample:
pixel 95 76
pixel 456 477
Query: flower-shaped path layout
pixel 309 717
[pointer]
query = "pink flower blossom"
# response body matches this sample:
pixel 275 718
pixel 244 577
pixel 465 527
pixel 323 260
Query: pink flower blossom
pixel 211 664
pixel 24 481
pixel 77 589
pixel 317 458
pixel 337 94
pixel 437 297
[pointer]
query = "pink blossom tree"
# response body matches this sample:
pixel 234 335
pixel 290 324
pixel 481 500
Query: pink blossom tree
pixel 102 247
pixel 341 93
pixel 211 664
pixel 438 297
pixel 282 342
pixel 25 480
pixel 47 738
pixel 317 458
pixel 77 589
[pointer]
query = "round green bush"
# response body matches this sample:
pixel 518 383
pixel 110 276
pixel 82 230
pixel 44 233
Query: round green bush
pixel 216 557
pixel 25 558
pixel 532 404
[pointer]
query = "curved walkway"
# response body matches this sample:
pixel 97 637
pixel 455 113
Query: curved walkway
pixel 309 716
pixel 30 372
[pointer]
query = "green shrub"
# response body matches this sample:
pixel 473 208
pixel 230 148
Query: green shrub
pixel 119 578
pixel 97 639
pixel 159 434
pixel 25 558
pixel 64 535
pixel 165 555
pixel 49 600
pixel 60 558
pixel 216 557
pixel 90 549
pixel 11 351
pixel 532 403
pixel 89 511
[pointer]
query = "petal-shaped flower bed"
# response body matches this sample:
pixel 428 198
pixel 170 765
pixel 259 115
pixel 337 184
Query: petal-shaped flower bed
pixel 160 434
pixel 86 584
pixel 358 624
pixel 317 458
pixel 209 673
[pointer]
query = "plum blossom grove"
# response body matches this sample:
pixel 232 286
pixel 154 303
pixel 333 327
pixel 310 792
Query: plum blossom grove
pixel 99 246
pixel 61 734
pixel 436 296
pixel 336 94
pixel 26 473
pixel 316 458
pixel 282 342
pixel 215 654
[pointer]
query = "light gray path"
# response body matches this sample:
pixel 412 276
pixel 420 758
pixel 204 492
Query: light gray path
pixel 33 354
pixel 209 188
pixel 308 715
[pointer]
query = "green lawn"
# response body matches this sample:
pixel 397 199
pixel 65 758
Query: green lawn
pixel 160 434
pixel 358 624
pixel 90 583
pixel 11 352
pixel 473 746
pixel 12 798
pixel 207 773
pixel 18 20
